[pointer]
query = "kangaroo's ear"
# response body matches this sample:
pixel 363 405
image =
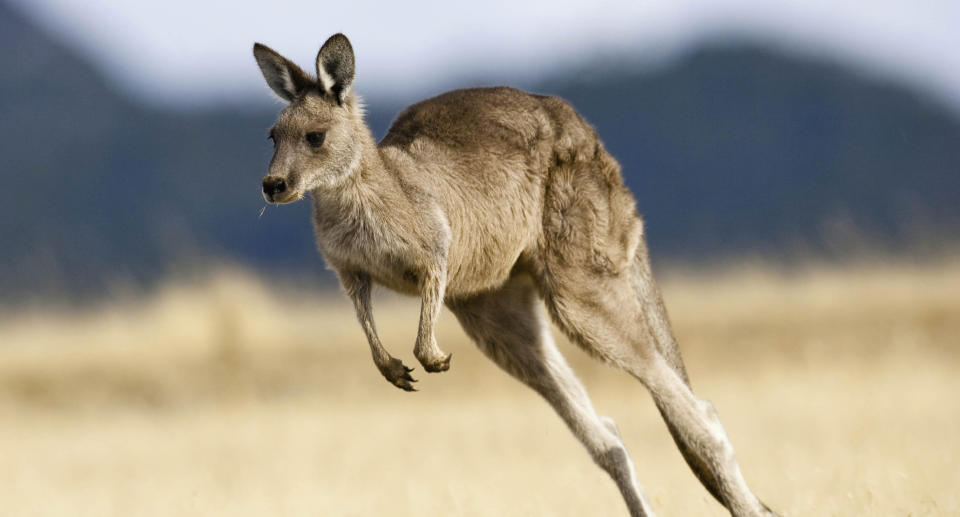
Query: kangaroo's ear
pixel 285 78
pixel 335 66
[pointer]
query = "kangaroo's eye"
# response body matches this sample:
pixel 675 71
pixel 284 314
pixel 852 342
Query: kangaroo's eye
pixel 315 138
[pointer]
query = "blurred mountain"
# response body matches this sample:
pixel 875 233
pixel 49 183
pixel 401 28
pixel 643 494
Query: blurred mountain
pixel 730 150
pixel 743 149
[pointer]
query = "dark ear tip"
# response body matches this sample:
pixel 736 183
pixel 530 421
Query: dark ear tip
pixel 338 40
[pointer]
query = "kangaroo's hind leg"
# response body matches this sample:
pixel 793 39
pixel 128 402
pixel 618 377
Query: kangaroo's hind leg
pixel 656 319
pixel 618 317
pixel 508 326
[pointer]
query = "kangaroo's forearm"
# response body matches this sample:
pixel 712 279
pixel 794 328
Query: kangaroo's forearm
pixel 357 287
pixel 432 301
pixel 432 287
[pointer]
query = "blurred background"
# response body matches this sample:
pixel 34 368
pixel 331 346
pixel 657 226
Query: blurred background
pixel 165 348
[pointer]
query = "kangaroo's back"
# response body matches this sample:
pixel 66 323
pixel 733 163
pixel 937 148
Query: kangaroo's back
pixel 486 125
pixel 493 158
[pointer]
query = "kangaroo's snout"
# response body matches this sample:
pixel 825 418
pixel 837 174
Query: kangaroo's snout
pixel 273 186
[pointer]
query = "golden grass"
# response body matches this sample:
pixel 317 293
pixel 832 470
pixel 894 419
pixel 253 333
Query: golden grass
pixel 838 387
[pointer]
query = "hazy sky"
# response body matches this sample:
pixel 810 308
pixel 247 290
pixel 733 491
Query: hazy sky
pixel 193 51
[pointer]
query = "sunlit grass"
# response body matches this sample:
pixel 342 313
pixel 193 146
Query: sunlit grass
pixel 231 397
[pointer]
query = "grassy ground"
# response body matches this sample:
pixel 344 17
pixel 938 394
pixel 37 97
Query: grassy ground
pixel 838 388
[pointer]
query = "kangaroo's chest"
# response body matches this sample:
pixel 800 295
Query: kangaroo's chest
pixel 356 246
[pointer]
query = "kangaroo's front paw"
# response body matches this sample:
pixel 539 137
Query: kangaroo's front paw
pixel 431 357
pixel 398 374
pixel 439 364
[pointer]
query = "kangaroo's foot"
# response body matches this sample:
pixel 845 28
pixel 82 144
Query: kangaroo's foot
pixel 398 374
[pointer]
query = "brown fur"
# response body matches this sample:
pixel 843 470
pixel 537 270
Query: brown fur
pixel 490 200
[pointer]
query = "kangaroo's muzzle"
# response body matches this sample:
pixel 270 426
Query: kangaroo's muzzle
pixel 273 186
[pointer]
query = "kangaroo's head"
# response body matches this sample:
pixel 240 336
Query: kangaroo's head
pixel 317 139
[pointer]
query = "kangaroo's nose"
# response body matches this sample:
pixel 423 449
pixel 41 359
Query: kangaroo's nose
pixel 273 186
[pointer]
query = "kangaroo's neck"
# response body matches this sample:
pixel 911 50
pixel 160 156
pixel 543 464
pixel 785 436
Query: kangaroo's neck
pixel 371 190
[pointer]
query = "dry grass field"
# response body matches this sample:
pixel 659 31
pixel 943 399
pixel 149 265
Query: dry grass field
pixel 838 386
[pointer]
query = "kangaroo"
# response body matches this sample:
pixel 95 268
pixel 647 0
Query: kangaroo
pixel 494 202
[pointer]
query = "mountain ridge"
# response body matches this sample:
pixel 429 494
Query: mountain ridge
pixel 730 150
